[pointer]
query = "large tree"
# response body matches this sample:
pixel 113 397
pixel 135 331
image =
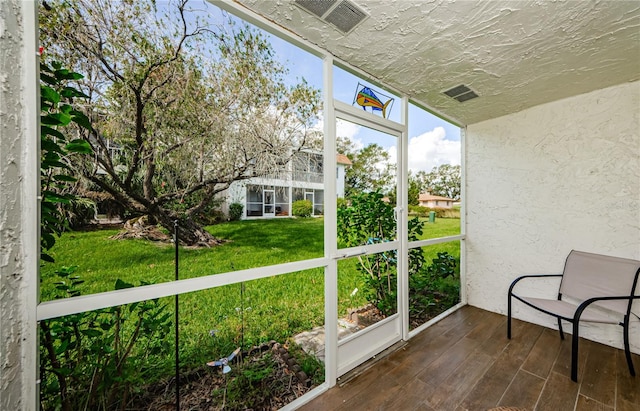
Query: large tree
pixel 444 180
pixel 371 168
pixel 180 107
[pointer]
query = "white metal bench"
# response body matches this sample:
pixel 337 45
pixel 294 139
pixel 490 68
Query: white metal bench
pixel 593 288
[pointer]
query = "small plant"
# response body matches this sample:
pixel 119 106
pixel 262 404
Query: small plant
pixel 432 289
pixel 249 386
pixel 370 220
pixel 302 208
pixel 443 266
pixel 236 211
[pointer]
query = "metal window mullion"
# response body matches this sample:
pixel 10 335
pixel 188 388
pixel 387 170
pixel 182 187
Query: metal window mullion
pixel 330 229
pixel 402 204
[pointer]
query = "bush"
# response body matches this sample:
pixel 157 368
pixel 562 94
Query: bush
pixel 96 359
pixel 370 220
pixel 302 208
pixel 343 203
pixel 236 210
pixel 421 211
pixel 434 288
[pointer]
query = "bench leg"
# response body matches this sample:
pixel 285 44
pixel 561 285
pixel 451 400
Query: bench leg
pixel 574 352
pixel 560 329
pixel 509 316
pixel 627 352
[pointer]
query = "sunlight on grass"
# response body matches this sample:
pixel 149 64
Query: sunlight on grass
pixel 442 227
pixel 249 244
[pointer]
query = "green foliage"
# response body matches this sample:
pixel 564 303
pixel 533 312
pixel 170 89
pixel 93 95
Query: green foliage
pixel 443 266
pixel 444 180
pixel 94 360
pixel 365 173
pixel 56 179
pixel 311 366
pixel 413 194
pixel 434 288
pixel 302 208
pixel 236 211
pixel 249 387
pixel 281 306
pixel 421 211
pixel 370 220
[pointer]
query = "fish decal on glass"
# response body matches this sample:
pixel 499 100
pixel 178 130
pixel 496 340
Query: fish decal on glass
pixel 366 97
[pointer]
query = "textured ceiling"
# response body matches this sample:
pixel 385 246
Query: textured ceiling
pixel 514 54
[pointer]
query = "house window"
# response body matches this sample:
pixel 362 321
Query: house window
pixel 308 167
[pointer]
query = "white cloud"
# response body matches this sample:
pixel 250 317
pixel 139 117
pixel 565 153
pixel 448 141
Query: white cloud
pixel 431 149
pixel 349 130
pixel 343 129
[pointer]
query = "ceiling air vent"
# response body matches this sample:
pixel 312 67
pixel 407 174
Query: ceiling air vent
pixel 317 7
pixel 461 93
pixel 343 14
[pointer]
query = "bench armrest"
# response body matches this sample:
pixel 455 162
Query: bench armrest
pixel 583 306
pixel 530 276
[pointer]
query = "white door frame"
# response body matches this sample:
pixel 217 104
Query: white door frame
pixel 272 213
pixel 359 347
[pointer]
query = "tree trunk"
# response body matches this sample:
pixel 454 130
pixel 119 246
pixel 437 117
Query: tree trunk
pixel 190 233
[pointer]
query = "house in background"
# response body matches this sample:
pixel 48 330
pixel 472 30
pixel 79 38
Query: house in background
pixel 272 195
pixel 431 201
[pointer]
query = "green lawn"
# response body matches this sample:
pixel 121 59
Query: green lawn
pixel 255 243
pixel 270 308
pixel 442 227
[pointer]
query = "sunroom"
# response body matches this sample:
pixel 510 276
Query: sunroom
pixel 547 98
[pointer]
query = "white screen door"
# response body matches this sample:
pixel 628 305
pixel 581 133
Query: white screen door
pixel 367 257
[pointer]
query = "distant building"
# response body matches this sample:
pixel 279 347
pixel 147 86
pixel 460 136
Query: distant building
pixel 431 201
pixel 273 194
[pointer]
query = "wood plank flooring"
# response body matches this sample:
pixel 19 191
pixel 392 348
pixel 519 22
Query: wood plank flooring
pixel 465 362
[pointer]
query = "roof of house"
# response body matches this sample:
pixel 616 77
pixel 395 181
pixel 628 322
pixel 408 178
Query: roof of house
pixel 429 197
pixel 342 159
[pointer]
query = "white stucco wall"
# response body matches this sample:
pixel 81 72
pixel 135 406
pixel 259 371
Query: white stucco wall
pixel 19 222
pixel 556 177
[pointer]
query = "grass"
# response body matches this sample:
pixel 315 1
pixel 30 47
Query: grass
pixel 442 227
pixel 241 314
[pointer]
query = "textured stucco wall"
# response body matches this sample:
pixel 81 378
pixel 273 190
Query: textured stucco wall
pixel 556 177
pixel 18 209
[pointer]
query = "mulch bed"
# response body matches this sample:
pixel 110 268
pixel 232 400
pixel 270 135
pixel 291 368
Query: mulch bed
pixel 208 389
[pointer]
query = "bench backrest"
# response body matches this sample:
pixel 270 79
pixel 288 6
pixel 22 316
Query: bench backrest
pixel 588 275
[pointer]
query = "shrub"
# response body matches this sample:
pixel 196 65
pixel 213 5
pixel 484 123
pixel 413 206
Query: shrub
pixel 419 211
pixel 370 220
pixel 236 210
pixel 302 208
pixel 96 359
pixel 343 203
pixel 432 287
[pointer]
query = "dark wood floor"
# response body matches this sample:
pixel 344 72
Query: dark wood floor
pixel 465 362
